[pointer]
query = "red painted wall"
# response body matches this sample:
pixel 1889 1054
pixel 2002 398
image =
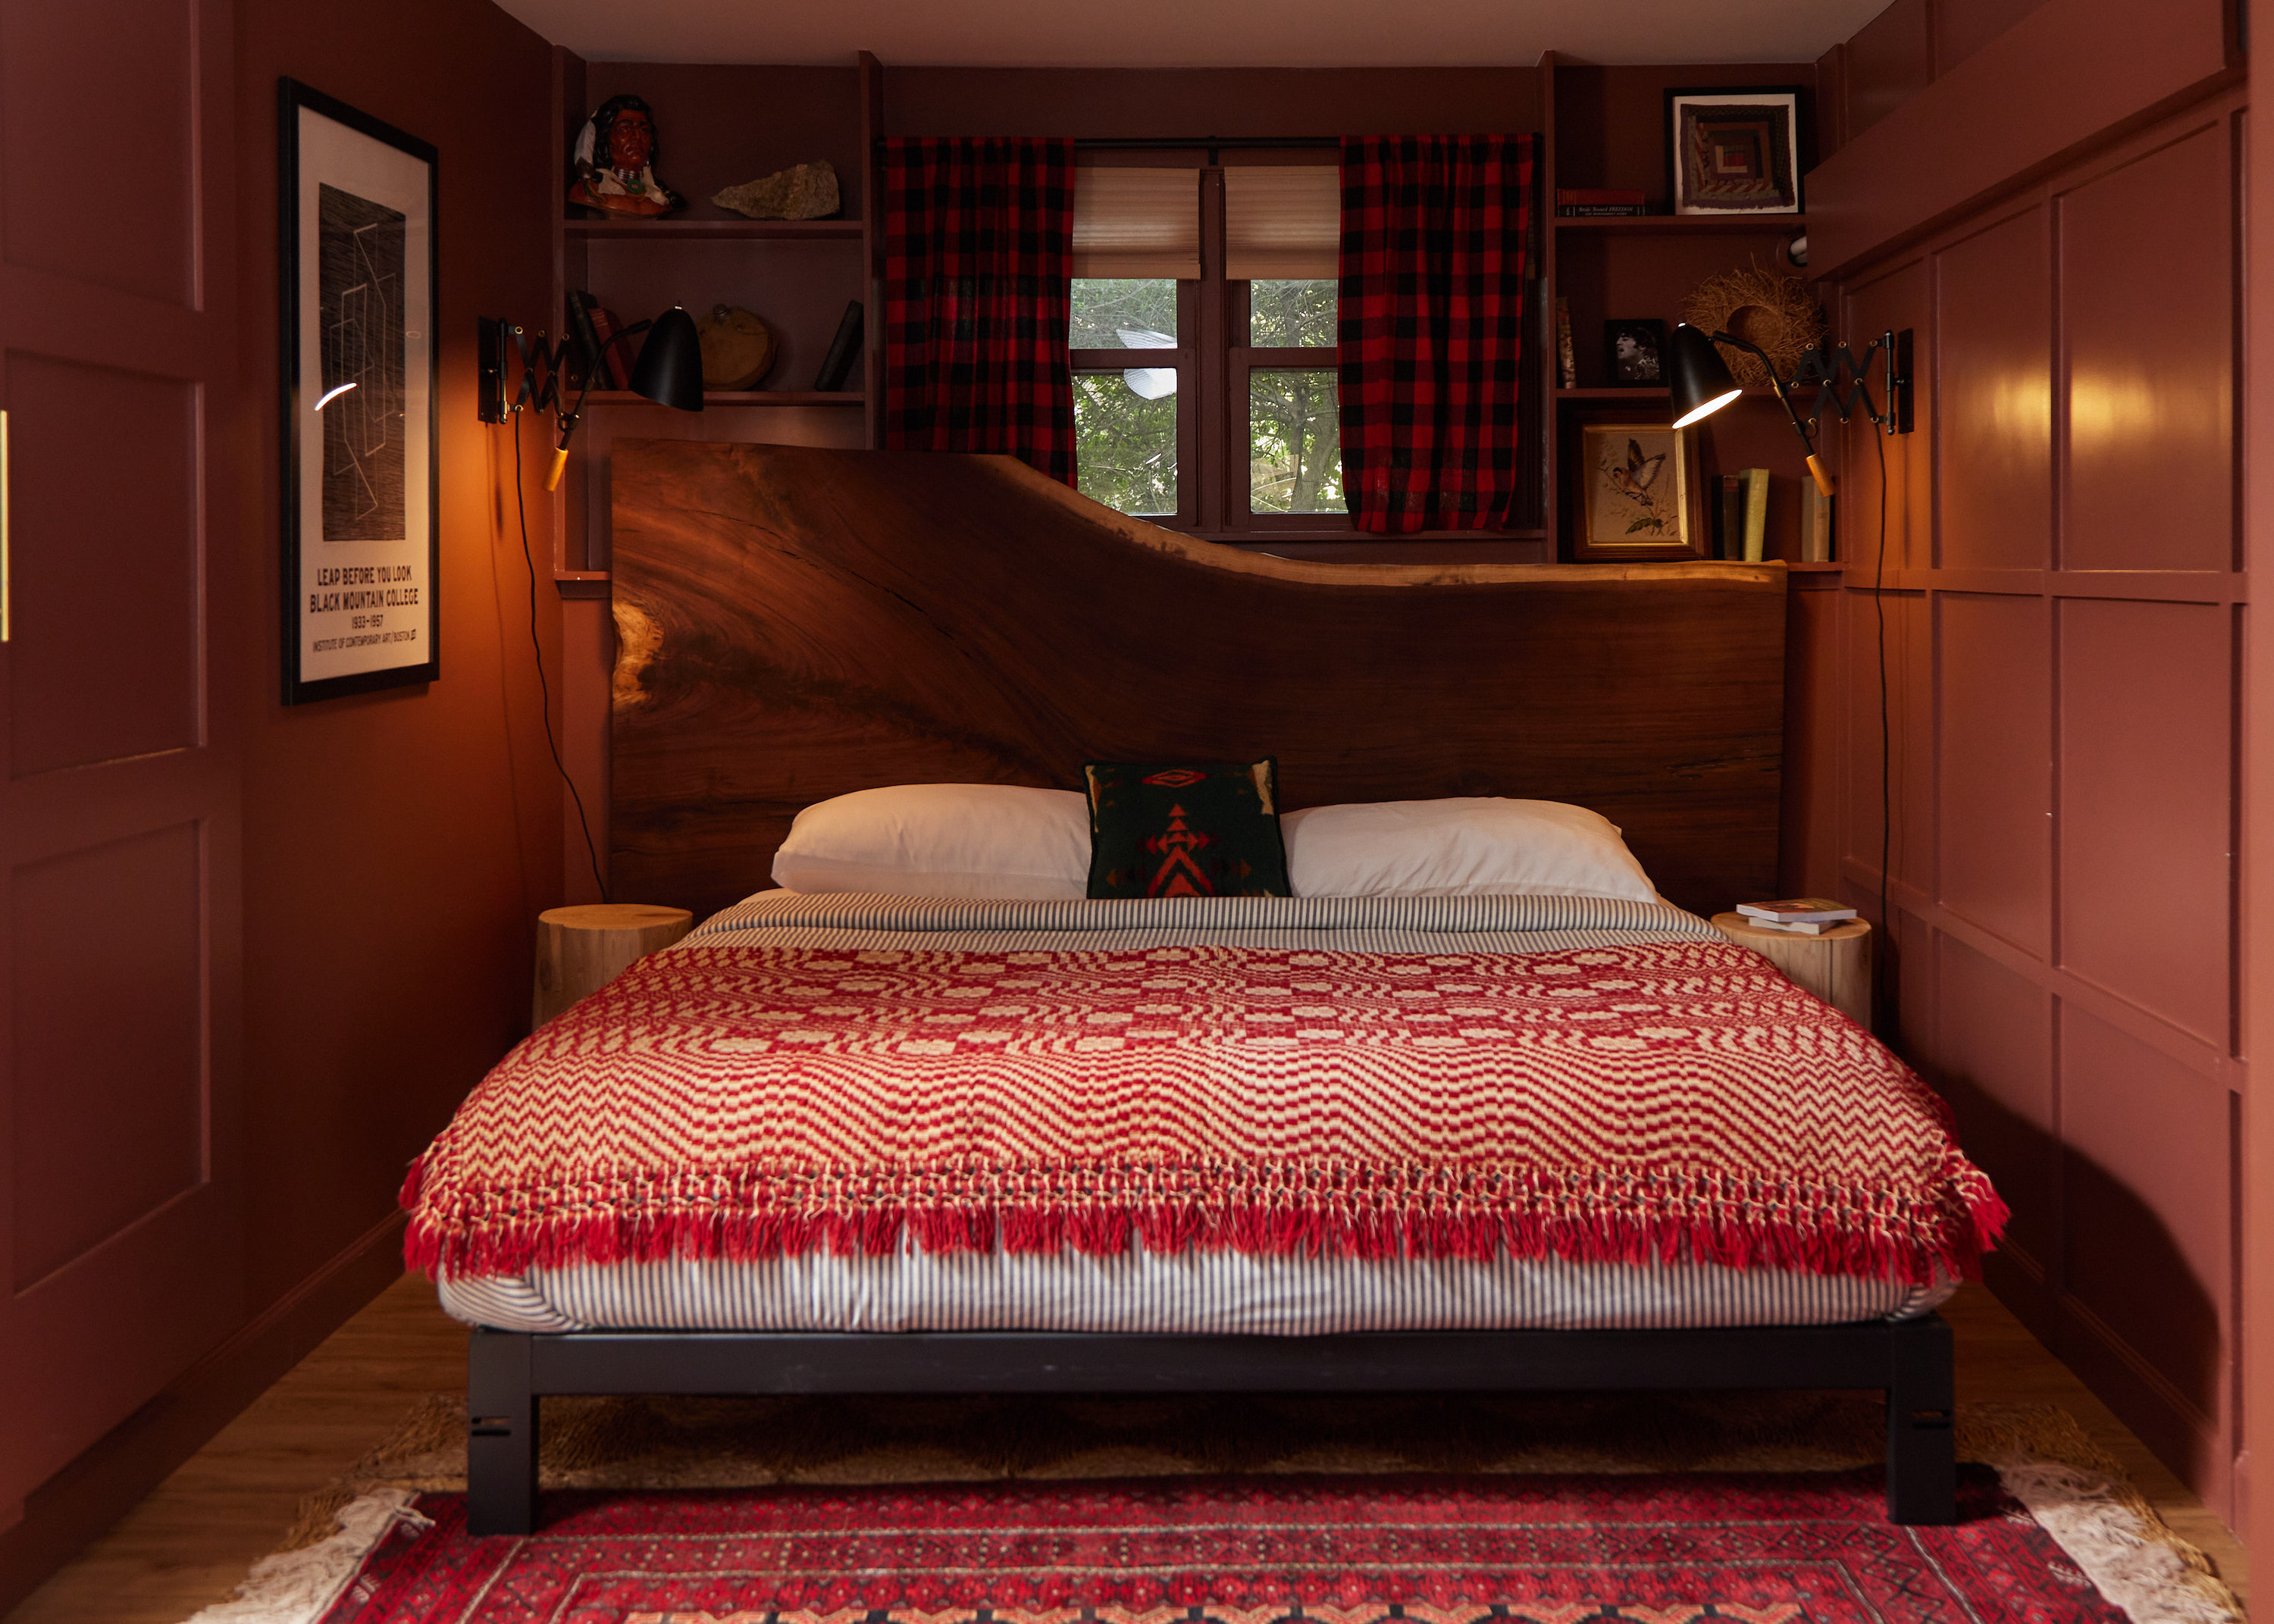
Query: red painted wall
pixel 395 846
pixel 398 845
pixel 2063 647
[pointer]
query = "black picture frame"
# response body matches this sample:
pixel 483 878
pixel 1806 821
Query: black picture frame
pixel 1634 353
pixel 344 616
pixel 1784 107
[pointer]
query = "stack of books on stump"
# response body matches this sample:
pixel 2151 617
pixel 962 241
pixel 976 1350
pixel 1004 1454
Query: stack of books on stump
pixel 1801 916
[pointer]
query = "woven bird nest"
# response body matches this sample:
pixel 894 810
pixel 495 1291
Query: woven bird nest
pixel 1777 312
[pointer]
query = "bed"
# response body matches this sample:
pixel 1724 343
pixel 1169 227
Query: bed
pixel 855 1143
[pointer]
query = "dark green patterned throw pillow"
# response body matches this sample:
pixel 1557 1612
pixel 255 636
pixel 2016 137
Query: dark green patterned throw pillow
pixel 1199 828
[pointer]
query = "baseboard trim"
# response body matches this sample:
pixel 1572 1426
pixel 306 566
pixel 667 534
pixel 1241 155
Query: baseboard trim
pixel 82 1501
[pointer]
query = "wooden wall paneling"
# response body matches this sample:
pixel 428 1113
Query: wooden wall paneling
pixel 2148 1281
pixel 2149 357
pixel 1994 761
pixel 1807 863
pixel 797 624
pixel 1992 367
pixel 2146 787
pixel 1886 63
pixel 2083 728
pixel 2254 887
pixel 1963 26
pixel 120 1145
pixel 2047 91
pixel 1993 1061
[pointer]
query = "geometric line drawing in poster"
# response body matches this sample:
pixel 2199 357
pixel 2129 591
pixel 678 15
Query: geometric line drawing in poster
pixel 361 248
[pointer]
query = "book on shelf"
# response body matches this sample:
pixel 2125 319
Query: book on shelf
pixel 615 367
pixel 1757 515
pixel 1599 197
pixel 844 351
pixel 1729 517
pixel 1815 525
pixel 1798 911
pixel 1566 358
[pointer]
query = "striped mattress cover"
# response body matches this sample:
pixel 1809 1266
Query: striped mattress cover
pixel 1195 1291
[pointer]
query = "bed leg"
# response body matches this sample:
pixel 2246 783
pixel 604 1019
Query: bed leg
pixel 1922 1449
pixel 501 1435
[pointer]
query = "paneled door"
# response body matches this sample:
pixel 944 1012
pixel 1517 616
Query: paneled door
pixel 120 1250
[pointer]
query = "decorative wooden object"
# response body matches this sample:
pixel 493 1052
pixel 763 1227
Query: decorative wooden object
pixel 793 623
pixel 581 949
pixel 1836 966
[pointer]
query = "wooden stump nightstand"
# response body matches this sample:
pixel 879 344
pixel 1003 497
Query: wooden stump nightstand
pixel 580 949
pixel 1836 966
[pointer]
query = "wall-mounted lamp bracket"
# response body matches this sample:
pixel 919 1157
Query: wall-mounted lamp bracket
pixel 542 374
pixel 1844 380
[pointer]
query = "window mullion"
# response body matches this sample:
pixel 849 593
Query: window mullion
pixel 1211 399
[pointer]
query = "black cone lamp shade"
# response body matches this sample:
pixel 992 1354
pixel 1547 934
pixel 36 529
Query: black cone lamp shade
pixel 669 371
pixel 1700 378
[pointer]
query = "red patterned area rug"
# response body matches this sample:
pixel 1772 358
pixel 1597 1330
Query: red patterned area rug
pixel 1640 1548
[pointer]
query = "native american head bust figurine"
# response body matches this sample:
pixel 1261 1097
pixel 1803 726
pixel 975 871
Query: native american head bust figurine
pixel 616 161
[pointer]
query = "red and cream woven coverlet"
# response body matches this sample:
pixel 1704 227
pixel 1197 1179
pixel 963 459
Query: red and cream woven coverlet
pixel 1657 1098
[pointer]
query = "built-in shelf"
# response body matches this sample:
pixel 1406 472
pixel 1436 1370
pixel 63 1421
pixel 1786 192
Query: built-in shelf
pixel 699 230
pixel 740 397
pixel 1814 568
pixel 1645 391
pixel 1685 225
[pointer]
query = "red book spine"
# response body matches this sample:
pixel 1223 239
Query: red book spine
pixel 613 361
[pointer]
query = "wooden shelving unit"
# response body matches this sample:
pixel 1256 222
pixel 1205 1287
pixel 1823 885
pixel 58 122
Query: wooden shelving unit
pixel 719 126
pixel 1605 127
pixel 739 397
pixel 676 231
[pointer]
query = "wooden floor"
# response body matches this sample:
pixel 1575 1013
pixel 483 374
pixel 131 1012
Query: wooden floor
pixel 193 1538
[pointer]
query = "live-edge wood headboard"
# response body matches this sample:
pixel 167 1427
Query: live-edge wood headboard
pixel 796 623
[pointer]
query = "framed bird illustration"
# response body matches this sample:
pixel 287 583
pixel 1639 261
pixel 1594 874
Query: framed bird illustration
pixel 1632 491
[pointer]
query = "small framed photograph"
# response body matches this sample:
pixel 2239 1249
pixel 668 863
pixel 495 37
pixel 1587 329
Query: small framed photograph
pixel 1633 490
pixel 1634 352
pixel 355 200
pixel 1735 151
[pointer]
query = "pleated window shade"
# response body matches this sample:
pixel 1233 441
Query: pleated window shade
pixel 1281 221
pixel 1137 222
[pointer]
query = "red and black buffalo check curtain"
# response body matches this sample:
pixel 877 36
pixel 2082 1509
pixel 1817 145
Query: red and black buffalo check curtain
pixel 1431 322
pixel 978 269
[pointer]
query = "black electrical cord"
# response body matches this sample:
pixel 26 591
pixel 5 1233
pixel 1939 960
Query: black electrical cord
pixel 529 559
pixel 1886 736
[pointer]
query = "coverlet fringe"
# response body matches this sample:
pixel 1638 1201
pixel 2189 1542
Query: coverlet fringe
pixel 1585 1218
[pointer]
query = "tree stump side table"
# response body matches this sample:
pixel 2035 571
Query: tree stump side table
pixel 1836 966
pixel 581 949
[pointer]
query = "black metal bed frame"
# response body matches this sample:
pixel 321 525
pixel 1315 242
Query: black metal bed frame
pixel 509 1372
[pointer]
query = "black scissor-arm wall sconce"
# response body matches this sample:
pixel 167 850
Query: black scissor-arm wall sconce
pixel 1702 385
pixel 669 372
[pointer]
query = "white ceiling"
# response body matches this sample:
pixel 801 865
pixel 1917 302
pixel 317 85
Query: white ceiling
pixel 1180 34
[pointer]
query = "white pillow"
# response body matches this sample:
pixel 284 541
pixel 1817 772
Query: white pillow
pixel 996 841
pixel 1471 845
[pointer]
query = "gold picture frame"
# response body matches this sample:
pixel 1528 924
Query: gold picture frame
pixel 1635 491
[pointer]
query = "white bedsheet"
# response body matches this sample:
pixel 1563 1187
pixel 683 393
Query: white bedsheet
pixel 1217 1292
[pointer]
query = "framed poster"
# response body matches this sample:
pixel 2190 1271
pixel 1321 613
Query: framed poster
pixel 1735 151
pixel 1633 489
pixel 359 347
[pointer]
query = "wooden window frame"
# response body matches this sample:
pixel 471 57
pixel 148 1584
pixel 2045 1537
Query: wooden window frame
pixel 1213 427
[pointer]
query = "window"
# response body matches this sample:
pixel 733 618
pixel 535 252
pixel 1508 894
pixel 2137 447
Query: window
pixel 1204 346
pixel 1126 419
